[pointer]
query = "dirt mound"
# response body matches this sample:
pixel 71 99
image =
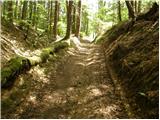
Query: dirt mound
pixel 132 50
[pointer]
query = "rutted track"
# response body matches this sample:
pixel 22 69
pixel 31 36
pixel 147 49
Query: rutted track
pixel 76 86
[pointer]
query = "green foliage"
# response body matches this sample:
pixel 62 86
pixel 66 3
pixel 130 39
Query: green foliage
pixel 61 28
pixel 93 20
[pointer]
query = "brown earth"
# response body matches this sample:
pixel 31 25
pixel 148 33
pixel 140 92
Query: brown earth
pixel 76 85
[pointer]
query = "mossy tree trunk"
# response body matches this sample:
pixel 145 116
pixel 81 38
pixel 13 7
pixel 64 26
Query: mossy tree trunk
pixel 18 64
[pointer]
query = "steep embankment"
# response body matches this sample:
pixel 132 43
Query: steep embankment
pixel 131 49
pixel 17 54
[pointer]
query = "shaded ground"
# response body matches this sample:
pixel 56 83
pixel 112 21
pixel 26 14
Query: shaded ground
pixel 76 86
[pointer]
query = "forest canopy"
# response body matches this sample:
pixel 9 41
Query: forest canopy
pixel 50 16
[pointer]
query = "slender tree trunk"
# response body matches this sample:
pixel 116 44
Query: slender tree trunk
pixel 51 18
pixel 119 11
pixel 24 10
pixel 37 14
pixel 87 26
pixel 139 6
pixel 10 11
pixel 34 13
pixel 56 15
pixel 130 9
pixel 16 9
pixel 78 23
pixel 136 8
pixel 69 19
pixel 31 9
pixel 4 8
pixel 20 10
pixel 132 3
pixel 74 19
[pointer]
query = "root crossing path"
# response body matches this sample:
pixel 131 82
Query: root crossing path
pixel 76 86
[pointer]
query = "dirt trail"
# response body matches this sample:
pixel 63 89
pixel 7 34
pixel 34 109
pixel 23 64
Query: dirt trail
pixel 76 86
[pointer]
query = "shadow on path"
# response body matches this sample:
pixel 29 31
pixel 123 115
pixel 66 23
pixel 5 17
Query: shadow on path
pixel 76 86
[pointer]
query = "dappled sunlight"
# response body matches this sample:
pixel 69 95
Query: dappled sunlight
pixel 32 99
pixel 80 63
pixel 107 111
pixel 95 92
pixel 55 98
pixel 39 74
pixel 75 41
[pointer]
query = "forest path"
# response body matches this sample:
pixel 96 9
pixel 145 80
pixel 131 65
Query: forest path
pixel 76 86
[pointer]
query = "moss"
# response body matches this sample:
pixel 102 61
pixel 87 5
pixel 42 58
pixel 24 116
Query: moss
pixel 45 54
pixel 7 103
pixel 17 65
pixel 13 67
pixel 60 45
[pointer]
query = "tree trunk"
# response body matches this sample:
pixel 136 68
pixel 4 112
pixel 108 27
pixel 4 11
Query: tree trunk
pixel 119 11
pixel 69 19
pixel 31 10
pixel 56 15
pixel 34 14
pixel 78 22
pixel 74 19
pixel 130 9
pixel 136 8
pixel 10 11
pixel 87 26
pixel 19 64
pixel 139 6
pixel 37 14
pixel 50 18
pixel 24 10
pixel 20 10
pixel 16 9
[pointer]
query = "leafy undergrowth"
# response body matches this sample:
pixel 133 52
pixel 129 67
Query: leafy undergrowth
pixel 132 50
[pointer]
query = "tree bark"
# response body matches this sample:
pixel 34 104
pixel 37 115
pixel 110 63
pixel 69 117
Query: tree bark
pixel 24 10
pixel 69 19
pixel 16 9
pixel 74 19
pixel 139 6
pixel 34 14
pixel 136 7
pixel 31 10
pixel 56 15
pixel 78 22
pixel 10 11
pixel 130 9
pixel 51 18
pixel 119 11
pixel 4 8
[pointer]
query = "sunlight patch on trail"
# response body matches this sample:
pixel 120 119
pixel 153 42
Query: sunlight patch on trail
pixel 107 110
pixel 39 72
